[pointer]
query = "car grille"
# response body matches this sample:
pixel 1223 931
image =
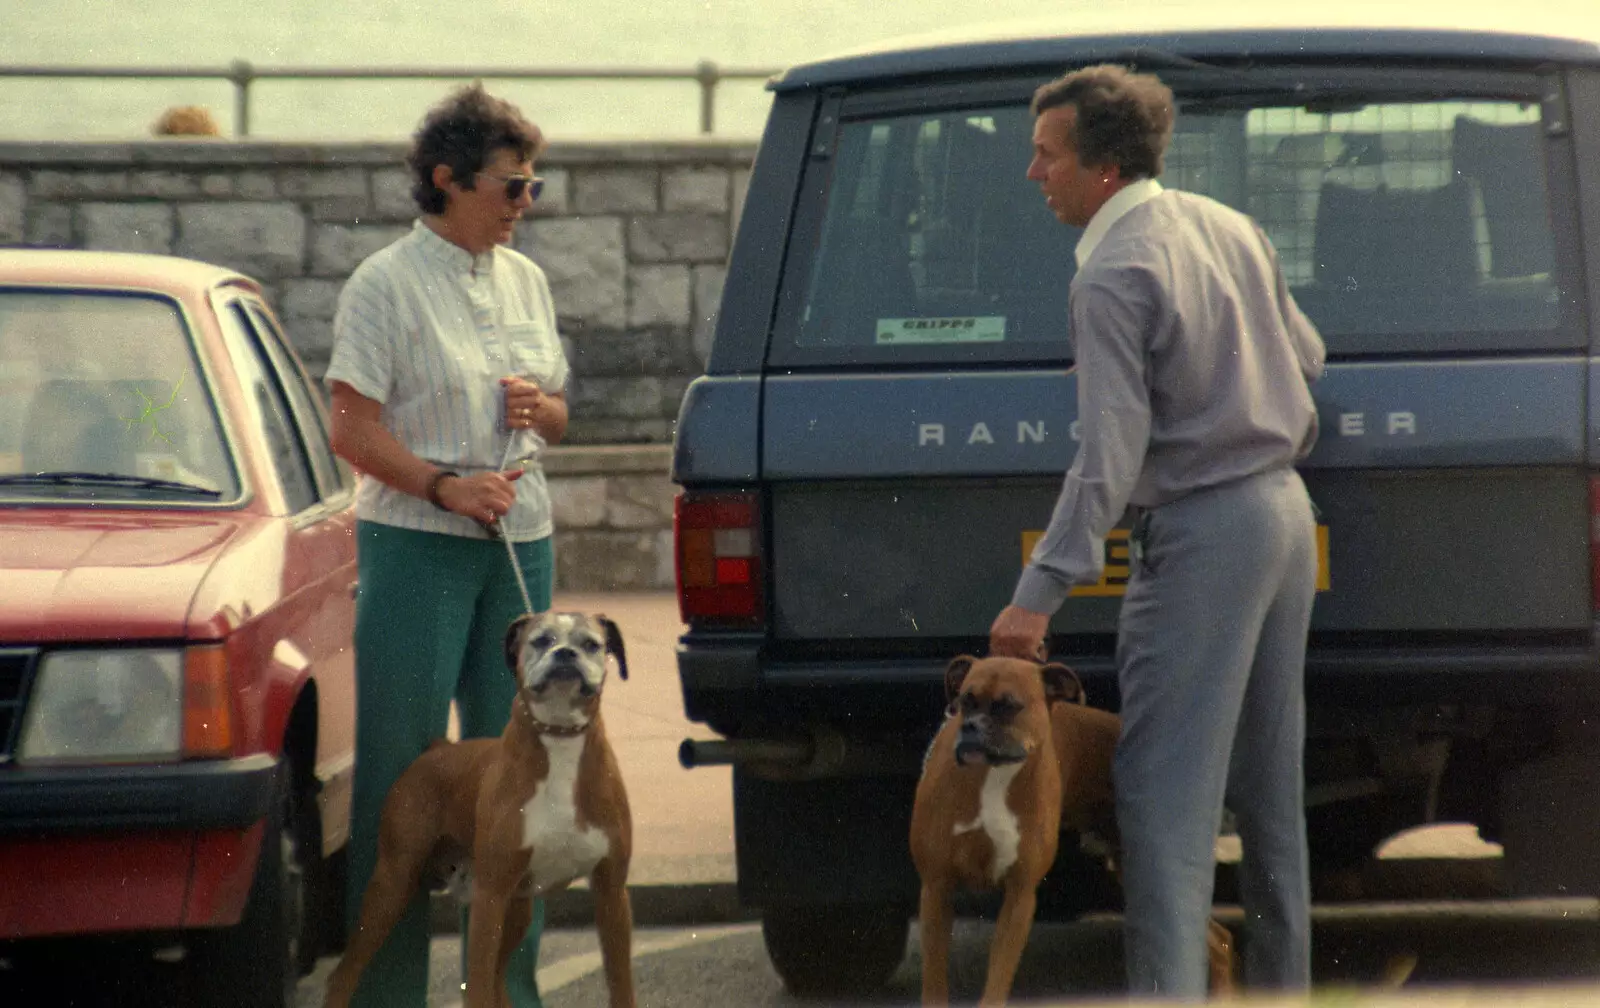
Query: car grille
pixel 16 671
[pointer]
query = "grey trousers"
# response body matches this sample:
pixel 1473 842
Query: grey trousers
pixel 1211 665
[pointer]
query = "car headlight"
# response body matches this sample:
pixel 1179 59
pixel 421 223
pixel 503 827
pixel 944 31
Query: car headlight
pixel 99 706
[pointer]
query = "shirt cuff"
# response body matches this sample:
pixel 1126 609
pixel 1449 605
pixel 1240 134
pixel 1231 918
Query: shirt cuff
pixel 1039 591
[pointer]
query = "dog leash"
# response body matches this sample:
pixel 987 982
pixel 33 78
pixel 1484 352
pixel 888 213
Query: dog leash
pixel 498 529
pixel 541 726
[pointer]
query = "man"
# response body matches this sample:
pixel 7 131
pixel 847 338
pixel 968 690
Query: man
pixel 1193 364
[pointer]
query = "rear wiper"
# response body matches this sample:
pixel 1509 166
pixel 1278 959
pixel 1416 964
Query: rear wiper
pixel 1147 58
pixel 105 480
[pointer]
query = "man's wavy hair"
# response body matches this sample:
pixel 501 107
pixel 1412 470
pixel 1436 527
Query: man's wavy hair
pixel 464 131
pixel 1123 118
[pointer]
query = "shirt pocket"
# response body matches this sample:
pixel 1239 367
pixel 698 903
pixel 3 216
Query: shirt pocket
pixel 533 353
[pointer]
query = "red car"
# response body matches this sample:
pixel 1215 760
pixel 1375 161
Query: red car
pixel 177 581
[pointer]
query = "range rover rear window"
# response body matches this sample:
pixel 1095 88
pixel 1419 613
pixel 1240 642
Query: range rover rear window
pixel 1403 226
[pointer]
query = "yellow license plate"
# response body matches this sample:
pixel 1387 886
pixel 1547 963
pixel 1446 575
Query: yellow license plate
pixel 1114 579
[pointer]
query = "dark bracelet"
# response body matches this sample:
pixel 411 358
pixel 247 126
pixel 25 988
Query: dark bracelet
pixel 433 487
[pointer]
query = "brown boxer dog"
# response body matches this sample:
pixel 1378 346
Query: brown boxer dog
pixel 534 810
pixel 1019 758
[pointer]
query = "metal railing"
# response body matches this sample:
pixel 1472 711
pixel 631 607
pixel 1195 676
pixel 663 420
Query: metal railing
pixel 242 74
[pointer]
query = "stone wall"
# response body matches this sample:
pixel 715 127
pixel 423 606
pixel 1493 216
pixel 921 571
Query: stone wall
pixel 634 239
pixel 612 506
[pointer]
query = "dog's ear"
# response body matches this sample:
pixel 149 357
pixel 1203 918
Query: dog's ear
pixel 614 643
pixel 515 634
pixel 955 674
pixel 1061 683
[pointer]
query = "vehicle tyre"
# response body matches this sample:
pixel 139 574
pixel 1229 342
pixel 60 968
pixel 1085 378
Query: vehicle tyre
pixel 333 869
pixel 1078 883
pixel 1342 838
pixel 835 950
pixel 258 962
pixel 322 920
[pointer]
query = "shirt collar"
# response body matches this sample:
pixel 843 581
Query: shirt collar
pixel 1126 198
pixel 448 254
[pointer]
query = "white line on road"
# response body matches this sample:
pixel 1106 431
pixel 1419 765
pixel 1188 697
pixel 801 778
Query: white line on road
pixel 567 971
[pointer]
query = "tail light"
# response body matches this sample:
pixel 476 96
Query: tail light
pixel 1594 541
pixel 207 703
pixel 718 549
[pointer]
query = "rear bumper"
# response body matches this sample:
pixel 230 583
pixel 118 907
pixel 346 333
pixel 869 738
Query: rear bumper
pixel 1457 661
pixel 733 679
pixel 101 850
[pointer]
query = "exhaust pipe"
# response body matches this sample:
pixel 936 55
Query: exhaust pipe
pixel 723 752
pixel 822 754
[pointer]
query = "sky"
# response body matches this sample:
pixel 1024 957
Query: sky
pixel 757 34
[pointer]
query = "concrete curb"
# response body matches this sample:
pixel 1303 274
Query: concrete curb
pixel 707 903
pixel 687 905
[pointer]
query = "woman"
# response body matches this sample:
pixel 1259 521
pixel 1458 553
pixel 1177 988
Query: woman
pixel 445 347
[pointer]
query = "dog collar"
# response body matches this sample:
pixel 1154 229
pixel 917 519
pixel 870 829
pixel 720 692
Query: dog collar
pixel 545 728
pixel 560 731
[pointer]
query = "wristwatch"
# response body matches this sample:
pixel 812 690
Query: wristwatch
pixel 433 487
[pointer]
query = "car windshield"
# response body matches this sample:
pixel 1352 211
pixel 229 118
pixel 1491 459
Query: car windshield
pixel 1401 226
pixel 102 394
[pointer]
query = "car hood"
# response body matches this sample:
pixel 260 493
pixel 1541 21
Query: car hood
pixel 104 576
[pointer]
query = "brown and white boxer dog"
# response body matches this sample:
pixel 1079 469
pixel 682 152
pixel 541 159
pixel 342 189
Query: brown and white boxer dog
pixel 535 809
pixel 1019 758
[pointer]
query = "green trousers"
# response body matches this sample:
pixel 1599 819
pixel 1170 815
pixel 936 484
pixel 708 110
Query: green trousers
pixel 431 620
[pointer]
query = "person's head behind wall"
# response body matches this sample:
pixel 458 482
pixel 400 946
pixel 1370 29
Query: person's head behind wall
pixel 463 155
pixel 1095 130
pixel 186 120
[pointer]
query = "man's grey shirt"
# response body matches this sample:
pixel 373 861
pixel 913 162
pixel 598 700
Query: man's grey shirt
pixel 1193 365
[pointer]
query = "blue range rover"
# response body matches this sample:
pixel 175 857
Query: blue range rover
pixel 889 409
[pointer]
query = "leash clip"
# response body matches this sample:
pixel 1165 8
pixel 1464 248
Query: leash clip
pixel 1137 536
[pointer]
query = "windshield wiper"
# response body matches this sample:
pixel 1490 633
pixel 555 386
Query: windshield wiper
pixel 91 479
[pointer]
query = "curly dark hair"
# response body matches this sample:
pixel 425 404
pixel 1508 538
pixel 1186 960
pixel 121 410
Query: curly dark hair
pixel 464 131
pixel 1123 118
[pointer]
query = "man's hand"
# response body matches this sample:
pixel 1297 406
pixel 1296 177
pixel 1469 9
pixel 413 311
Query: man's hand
pixel 524 401
pixel 483 497
pixel 1018 633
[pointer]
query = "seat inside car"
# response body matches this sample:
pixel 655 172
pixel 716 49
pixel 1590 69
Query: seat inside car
pixel 1413 242
pixel 72 426
pixel 1505 161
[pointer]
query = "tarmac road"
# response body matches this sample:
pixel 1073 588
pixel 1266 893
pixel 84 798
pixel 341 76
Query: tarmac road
pixel 1465 955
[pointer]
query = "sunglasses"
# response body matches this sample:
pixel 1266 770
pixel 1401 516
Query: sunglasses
pixel 516 185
